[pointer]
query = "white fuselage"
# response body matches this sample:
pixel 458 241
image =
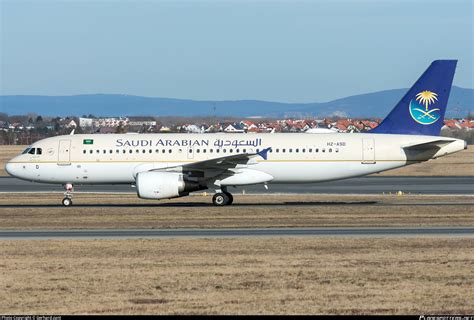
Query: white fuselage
pixel 294 157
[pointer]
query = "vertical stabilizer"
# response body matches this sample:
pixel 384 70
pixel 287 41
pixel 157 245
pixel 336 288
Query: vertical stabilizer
pixel 421 111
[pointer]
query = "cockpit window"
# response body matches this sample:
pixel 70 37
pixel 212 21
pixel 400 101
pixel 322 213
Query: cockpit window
pixel 33 151
pixel 26 151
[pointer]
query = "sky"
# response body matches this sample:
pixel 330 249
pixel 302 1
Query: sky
pixel 287 51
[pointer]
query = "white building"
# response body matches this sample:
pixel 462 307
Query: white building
pixel 85 122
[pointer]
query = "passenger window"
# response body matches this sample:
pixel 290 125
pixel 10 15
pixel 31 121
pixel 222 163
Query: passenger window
pixel 277 150
pixel 337 149
pixel 283 150
pixel 84 151
pixel 130 151
pixel 104 151
pixel 231 150
pixel 211 150
pixel 91 151
pixel 144 151
pixel 258 150
pixel 310 150
pixel 330 149
pixel 117 151
pixel 324 150
pixel 97 151
pixel 163 151
pixel 203 150
pixel 304 150
pixel 297 150
pixel 237 150
pixel 150 151
pixel 316 150
pixel 197 150
pixel 218 150
pixel 111 151
pixel 290 150
pixel 137 151
pixel 224 150
pixel 170 150
pixel 245 150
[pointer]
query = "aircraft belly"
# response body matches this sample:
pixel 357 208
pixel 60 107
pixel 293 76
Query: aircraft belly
pixel 87 173
pixel 301 172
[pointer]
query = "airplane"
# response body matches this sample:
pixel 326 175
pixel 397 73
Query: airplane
pixel 165 166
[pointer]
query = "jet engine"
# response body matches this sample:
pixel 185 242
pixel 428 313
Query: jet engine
pixel 164 185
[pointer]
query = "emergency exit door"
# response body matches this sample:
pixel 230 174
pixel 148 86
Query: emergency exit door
pixel 368 151
pixel 64 153
pixel 190 153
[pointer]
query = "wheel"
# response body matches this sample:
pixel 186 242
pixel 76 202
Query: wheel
pixel 220 199
pixel 67 202
pixel 230 196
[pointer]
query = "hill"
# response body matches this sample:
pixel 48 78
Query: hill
pixel 375 104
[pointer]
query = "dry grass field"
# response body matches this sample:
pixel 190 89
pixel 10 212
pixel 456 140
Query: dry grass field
pixel 33 211
pixel 6 153
pixel 458 164
pixel 238 276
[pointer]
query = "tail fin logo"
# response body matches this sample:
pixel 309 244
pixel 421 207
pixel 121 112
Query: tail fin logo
pixel 420 108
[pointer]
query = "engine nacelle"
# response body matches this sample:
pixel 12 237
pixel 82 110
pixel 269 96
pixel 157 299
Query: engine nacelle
pixel 163 185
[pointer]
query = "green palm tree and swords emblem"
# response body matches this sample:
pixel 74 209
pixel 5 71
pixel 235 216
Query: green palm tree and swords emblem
pixel 426 98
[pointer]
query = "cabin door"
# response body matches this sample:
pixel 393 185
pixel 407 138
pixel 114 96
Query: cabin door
pixel 368 151
pixel 64 153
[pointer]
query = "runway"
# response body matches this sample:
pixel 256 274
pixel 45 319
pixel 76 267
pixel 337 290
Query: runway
pixel 235 233
pixel 363 185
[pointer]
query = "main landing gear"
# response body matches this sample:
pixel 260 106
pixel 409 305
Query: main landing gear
pixel 223 198
pixel 67 201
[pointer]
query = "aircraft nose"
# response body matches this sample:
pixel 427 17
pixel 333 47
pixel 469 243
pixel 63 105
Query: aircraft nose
pixel 10 168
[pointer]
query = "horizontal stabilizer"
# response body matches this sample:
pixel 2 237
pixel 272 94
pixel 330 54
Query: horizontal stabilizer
pixel 437 144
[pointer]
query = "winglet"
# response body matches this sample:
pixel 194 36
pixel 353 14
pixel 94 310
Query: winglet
pixel 264 153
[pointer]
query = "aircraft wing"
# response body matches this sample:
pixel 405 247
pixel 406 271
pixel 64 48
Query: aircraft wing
pixel 227 162
pixel 222 163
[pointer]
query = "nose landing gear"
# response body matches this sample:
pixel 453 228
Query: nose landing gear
pixel 67 201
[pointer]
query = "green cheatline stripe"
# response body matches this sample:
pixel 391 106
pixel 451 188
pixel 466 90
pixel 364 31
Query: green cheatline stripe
pixel 88 141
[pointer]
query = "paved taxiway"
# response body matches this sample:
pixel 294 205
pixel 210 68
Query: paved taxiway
pixel 224 233
pixel 363 185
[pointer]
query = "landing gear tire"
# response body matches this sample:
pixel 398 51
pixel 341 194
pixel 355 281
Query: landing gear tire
pixel 231 198
pixel 220 199
pixel 67 202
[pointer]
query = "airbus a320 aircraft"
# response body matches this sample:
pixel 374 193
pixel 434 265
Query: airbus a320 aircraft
pixel 164 166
